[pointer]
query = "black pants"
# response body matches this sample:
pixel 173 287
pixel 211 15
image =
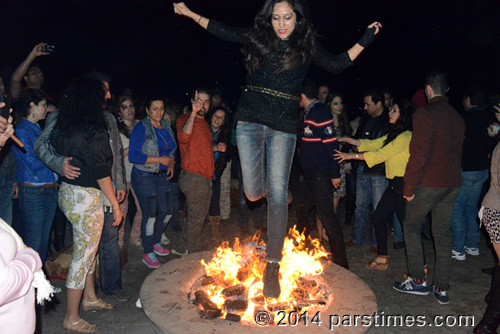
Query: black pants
pixel 317 193
pixel 392 200
pixel 215 200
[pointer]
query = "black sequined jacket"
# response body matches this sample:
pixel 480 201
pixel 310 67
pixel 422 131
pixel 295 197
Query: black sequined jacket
pixel 278 113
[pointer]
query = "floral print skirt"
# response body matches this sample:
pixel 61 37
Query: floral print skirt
pixel 83 208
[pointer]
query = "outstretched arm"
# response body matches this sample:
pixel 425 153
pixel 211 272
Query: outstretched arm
pixel 181 9
pixel 20 72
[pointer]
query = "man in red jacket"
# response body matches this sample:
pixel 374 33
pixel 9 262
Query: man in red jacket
pixel 431 185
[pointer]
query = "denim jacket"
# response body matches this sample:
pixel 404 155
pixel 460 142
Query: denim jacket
pixel 29 168
pixel 150 146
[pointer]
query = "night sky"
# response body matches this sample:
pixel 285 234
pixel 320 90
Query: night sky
pixel 142 45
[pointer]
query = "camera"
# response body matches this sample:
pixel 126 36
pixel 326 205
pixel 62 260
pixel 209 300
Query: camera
pixel 48 48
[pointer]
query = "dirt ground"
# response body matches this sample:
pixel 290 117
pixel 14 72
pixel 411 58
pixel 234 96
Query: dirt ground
pixel 468 288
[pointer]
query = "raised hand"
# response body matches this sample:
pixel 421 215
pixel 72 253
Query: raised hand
pixel 196 104
pixel 37 50
pixel 370 33
pixel 181 9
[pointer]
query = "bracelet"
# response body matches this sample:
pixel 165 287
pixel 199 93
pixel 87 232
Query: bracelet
pixel 199 19
pixel 357 155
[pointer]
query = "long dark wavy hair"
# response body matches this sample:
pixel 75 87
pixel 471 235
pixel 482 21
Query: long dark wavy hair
pixel 343 119
pixel 122 127
pixel 82 106
pixel 261 40
pixel 404 122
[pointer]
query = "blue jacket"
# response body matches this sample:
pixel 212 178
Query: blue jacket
pixel 143 147
pixel 29 168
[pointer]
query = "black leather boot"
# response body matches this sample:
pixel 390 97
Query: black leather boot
pixel 495 281
pixel 271 279
pixel 491 317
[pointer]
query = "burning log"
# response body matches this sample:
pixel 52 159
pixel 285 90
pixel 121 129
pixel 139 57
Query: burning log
pixel 207 280
pixel 301 303
pixel 210 309
pixel 300 294
pixel 306 283
pixel 243 274
pixel 233 317
pixel 236 305
pixel 309 285
pixel 259 300
pixel 235 290
pixel 278 307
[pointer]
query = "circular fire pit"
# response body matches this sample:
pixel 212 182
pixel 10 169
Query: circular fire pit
pixel 164 298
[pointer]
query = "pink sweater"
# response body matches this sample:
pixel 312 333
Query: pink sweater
pixel 17 296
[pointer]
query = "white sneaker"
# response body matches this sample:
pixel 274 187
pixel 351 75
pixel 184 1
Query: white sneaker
pixel 164 239
pixel 457 255
pixel 472 251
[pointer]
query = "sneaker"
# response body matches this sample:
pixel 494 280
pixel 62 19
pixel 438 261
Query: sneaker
pixel 457 255
pixel 121 295
pixel 410 286
pixel 56 289
pixel 472 251
pixel 164 239
pixel 441 295
pixel 271 280
pixel 151 261
pixel 179 253
pixel 160 251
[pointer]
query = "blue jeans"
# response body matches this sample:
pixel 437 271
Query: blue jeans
pixel 110 273
pixel 6 183
pixel 244 206
pixel 266 161
pixel 464 225
pixel 38 208
pixel 369 189
pixel 154 193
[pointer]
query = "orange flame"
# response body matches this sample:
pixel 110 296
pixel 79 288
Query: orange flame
pixel 245 265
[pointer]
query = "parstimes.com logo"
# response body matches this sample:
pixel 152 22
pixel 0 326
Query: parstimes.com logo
pixel 293 319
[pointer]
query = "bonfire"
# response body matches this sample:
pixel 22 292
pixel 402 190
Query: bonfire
pixel 232 285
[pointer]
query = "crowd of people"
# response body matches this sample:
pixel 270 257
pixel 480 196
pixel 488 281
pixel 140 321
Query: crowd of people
pixel 419 167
